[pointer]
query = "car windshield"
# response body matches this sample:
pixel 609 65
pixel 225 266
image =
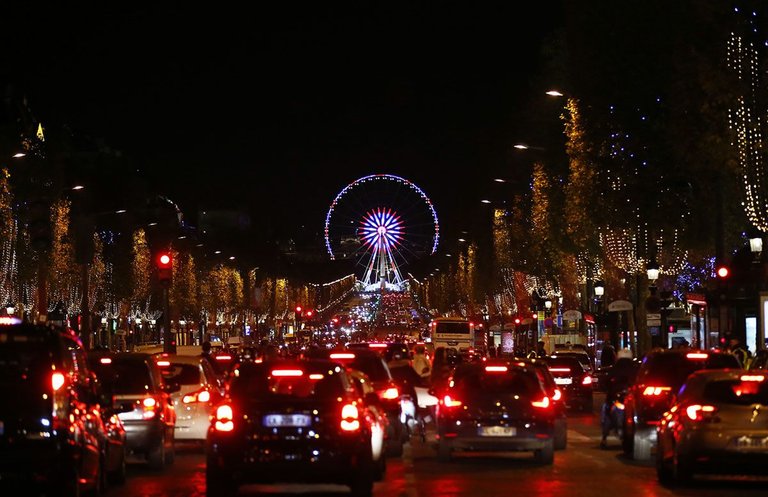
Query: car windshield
pixel 673 369
pixel 124 376
pixel 736 392
pixel 275 382
pixel 183 374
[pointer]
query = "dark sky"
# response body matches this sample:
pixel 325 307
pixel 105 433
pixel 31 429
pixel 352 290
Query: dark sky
pixel 275 109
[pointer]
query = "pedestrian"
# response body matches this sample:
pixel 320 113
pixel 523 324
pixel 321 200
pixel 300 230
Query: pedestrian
pixel 741 352
pixel 608 355
pixel 541 351
pixel 441 370
pixel 421 361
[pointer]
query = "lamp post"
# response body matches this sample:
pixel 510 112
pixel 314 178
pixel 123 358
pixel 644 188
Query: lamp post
pixel 599 290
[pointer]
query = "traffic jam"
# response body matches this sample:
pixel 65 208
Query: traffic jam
pixel 73 419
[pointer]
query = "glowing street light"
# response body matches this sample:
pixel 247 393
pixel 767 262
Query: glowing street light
pixel 554 93
pixel 522 146
pixel 485 201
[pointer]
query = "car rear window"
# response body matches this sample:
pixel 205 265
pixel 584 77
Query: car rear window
pixel 183 374
pixel 673 369
pixel 124 376
pixel 478 382
pixel 268 382
pixel 736 392
pixel 373 366
pixel 563 362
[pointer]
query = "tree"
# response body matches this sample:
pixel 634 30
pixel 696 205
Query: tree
pixel 63 274
pixel 141 270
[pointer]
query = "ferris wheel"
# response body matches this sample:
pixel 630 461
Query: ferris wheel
pixel 384 222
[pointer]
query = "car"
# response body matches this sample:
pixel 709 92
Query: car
pixel 199 392
pixel 291 421
pixel 556 396
pixel 716 425
pixel 144 401
pixel 573 379
pixel 661 374
pixel 495 406
pixel 580 354
pixel 378 418
pixel 52 434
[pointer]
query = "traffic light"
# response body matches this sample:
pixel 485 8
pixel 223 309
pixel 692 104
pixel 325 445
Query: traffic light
pixel 164 261
pixel 722 271
pixel 517 321
pixel 309 313
pixel 298 310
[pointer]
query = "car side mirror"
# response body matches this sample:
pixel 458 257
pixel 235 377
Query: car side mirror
pixel 171 387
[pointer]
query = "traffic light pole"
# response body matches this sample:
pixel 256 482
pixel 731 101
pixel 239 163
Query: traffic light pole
pixel 169 344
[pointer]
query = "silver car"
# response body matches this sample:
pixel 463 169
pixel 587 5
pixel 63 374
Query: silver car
pixel 199 392
pixel 717 424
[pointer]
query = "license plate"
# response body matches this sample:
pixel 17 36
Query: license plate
pixel 286 420
pixel 498 431
pixel 752 442
pixel 563 381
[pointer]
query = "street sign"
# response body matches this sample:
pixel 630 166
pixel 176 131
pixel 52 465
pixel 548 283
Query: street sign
pixel 571 315
pixel 653 322
pixel 620 305
pixel 653 316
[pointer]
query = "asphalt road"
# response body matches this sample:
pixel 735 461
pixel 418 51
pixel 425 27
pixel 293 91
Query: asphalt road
pixel 582 470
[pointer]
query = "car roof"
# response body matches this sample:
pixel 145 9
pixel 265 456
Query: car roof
pixel 180 359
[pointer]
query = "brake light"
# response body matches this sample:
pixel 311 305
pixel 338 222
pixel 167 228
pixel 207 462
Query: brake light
pixel 496 369
pixel 106 360
pixel 57 381
pixel 287 372
pixel 752 377
pixel 377 345
pixel 450 402
pixel 342 355
pixel 560 370
pixel 390 393
pixel 163 364
pixel 149 404
pixel 655 391
pixel 698 412
pixel 200 396
pixel 224 416
pixel 223 357
pixel 349 415
pixel 587 380
pixel 557 395
pixel 697 355
pixel 316 376
pixel 541 404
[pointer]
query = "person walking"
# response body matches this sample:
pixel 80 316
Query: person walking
pixel 441 370
pixel 420 362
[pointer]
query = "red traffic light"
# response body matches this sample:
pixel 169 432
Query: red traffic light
pixel 534 316
pixel 309 313
pixel 164 260
pixel 517 320
pixel 723 271
pixel 298 309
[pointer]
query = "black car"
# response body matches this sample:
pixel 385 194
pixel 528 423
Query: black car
pixel 291 421
pixel 496 406
pixel 574 380
pixel 660 376
pixel 51 429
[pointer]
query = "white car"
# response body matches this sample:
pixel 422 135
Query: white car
pixel 199 392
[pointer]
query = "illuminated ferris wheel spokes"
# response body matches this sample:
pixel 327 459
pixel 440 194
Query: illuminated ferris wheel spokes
pixel 381 231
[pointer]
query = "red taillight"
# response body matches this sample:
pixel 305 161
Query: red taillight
pixel 587 380
pixel 390 393
pixel 496 369
pixel 57 381
pixel 163 364
pixel 560 370
pixel 224 417
pixel 223 357
pixel 752 377
pixel 698 412
pixel 149 404
pixel 377 345
pixel 199 396
pixel 342 355
pixel 655 391
pixel 287 372
pixel 349 418
pixel 541 404
pixel 451 402
pixel 557 395
pixel 316 376
pixel 106 360
pixel 697 355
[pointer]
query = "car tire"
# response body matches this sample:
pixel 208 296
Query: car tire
pixel 545 455
pixel 561 434
pixel 443 451
pixel 360 487
pixel 218 483
pixel 118 476
pixel 641 448
pixel 156 456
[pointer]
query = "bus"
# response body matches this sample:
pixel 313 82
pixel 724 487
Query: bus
pixel 453 333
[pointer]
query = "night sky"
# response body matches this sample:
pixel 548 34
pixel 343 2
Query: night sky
pixel 275 110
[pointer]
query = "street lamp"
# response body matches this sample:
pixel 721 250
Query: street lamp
pixel 548 304
pixel 756 244
pixel 599 288
pixel 652 269
pixel 10 309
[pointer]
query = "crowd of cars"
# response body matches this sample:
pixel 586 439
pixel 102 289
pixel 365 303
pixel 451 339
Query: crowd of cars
pixel 334 415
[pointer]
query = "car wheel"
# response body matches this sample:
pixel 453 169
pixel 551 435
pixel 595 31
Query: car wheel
pixel 443 451
pixel 545 455
pixel 218 483
pixel 360 487
pixel 641 448
pixel 156 456
pixel 561 434
pixel 117 477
